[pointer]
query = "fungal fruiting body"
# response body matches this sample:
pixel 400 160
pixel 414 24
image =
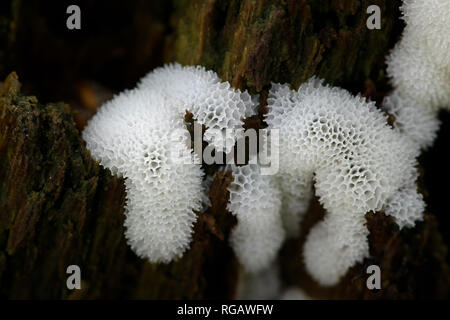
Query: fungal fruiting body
pixel 419 68
pixel 338 142
pixel 357 161
pixel 141 135
pixel 295 185
pixel 213 103
pixel 296 193
pixel 255 200
pixel 130 136
pixel 344 145
pixel 417 123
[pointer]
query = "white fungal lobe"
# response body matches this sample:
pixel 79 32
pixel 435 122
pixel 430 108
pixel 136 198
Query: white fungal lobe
pixel 296 193
pixel 411 119
pixel 419 68
pixel 255 201
pixel 328 137
pixel 406 207
pixel 141 135
pixel 419 65
pixel 213 103
pixel 358 163
pixel 336 244
pixel 130 136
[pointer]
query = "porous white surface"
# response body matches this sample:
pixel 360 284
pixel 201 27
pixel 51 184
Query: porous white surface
pixel 336 244
pixel 255 201
pixel 140 135
pixel 411 119
pixel 213 103
pixel 130 136
pixel 406 207
pixel 419 65
pixel 357 161
pixel 296 193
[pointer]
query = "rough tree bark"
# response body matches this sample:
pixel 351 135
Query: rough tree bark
pixel 58 207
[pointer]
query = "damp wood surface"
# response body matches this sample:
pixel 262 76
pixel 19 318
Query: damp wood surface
pixel 58 207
